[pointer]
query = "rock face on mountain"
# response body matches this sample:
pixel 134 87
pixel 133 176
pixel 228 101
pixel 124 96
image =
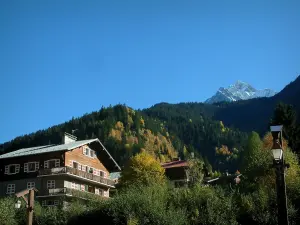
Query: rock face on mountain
pixel 239 91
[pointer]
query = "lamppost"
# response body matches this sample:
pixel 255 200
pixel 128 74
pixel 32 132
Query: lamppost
pixel 29 202
pixel 280 166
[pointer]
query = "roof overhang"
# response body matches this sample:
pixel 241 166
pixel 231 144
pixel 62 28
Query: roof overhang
pixel 103 154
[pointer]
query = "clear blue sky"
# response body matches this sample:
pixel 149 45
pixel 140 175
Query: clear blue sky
pixel 60 59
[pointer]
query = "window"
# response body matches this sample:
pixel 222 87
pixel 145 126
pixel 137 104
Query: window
pixel 31 167
pixel 89 152
pixel 86 151
pixel 51 163
pixel 50 184
pixel 11 188
pixel 12 169
pixel 92 154
pixel 75 165
pixel 98 191
pixel 101 173
pixel 30 185
pixel 50 202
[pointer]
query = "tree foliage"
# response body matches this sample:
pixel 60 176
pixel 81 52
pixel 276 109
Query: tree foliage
pixel 142 168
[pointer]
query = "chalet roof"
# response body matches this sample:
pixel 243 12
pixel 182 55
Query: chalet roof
pixel 115 175
pixel 62 147
pixel 173 164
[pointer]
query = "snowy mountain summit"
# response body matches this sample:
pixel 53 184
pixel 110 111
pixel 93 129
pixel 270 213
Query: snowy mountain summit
pixel 239 91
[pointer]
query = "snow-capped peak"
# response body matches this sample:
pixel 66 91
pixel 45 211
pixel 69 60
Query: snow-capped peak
pixel 239 91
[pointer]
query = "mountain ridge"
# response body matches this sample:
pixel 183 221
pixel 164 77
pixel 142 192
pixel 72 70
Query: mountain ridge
pixel 239 91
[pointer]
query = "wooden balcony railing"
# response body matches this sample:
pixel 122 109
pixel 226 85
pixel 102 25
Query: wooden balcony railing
pixel 73 171
pixel 71 192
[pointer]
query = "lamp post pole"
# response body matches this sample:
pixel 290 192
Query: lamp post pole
pixel 29 201
pixel 280 167
pixel 30 207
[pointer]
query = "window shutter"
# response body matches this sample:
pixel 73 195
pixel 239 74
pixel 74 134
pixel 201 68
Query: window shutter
pixel 83 150
pixel 18 168
pixel 83 168
pixel 79 166
pixel 98 173
pixel 95 171
pixel 37 166
pixel 46 164
pixel 6 170
pixel 57 162
pixel 73 185
pixel 71 163
pixel 25 167
pixel 105 175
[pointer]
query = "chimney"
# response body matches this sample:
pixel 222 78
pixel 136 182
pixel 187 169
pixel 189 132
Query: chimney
pixel 68 138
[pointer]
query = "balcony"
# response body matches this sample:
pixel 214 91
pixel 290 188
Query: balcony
pixel 77 173
pixel 70 193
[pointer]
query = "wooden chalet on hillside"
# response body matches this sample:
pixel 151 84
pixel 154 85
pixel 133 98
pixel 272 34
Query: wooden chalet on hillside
pixel 73 169
pixel 177 171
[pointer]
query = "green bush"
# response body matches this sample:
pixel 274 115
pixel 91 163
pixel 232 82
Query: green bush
pixel 8 211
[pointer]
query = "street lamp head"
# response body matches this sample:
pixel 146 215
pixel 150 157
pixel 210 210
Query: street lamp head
pixel 18 204
pixel 277 155
pixel 277 136
pixel 277 128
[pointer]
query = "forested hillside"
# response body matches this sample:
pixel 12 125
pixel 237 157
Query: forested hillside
pixel 166 131
pixel 164 134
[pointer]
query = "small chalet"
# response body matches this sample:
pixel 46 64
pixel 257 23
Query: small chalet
pixel 177 171
pixel 73 169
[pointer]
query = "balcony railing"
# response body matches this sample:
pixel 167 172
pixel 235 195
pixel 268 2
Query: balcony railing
pixel 70 192
pixel 76 172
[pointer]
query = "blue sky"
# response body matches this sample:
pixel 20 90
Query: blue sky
pixel 60 59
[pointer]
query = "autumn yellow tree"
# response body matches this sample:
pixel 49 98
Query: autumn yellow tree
pixel 144 169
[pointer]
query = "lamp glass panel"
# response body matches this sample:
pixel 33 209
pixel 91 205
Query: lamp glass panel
pixel 277 154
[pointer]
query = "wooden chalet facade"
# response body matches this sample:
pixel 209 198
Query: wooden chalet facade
pixel 74 169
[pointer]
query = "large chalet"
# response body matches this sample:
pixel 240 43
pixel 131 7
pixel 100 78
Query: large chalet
pixel 73 169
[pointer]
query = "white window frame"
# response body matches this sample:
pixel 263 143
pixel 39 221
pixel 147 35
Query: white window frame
pixel 50 184
pixel 11 188
pixel 56 163
pixel 26 167
pixel 30 185
pixel 89 152
pixel 7 169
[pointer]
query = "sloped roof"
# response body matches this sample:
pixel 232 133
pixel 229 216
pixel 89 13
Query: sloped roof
pixel 55 148
pixel 173 164
pixel 115 175
pixel 46 149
